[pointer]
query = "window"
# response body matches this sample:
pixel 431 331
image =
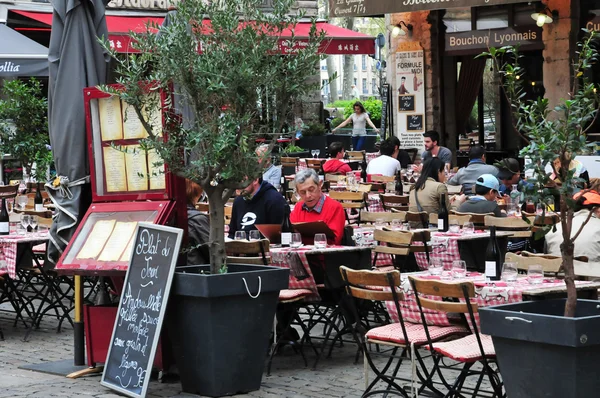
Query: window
pixel 355 81
pixel 364 86
pixel 492 17
pixel 364 62
pixel 325 88
pixel 457 19
pixel 355 68
pixel 323 67
pixel 373 86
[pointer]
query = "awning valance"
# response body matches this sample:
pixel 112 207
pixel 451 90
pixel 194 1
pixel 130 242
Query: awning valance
pixel 339 40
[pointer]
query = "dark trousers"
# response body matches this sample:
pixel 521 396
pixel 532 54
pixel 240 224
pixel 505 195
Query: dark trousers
pixel 358 141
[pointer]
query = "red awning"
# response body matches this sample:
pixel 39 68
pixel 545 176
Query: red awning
pixel 339 40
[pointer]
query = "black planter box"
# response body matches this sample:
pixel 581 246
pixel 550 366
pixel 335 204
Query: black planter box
pixel 303 154
pixel 221 333
pixel 543 354
pixel 314 142
pixel 345 139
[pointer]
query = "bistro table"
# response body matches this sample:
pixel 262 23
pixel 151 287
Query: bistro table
pixel 486 294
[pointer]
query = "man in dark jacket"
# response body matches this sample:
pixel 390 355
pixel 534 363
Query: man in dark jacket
pixel 258 203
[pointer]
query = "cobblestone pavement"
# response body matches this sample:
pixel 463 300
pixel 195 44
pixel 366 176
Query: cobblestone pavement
pixel 337 376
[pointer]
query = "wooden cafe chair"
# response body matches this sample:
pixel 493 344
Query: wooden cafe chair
pixel 478 220
pixel 381 178
pixel 386 216
pixel 316 165
pixel 248 252
pixel 394 243
pixel 334 177
pixel 350 200
pixel 203 207
pixel 356 155
pixel 417 218
pixel 396 202
pixel 228 210
pixel 475 348
pixel 452 218
pixel 288 165
pixel 517 226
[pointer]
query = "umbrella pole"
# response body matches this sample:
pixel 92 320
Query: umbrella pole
pixel 78 335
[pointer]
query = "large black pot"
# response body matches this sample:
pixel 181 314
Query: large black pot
pixel 221 326
pixel 541 353
pixel 314 142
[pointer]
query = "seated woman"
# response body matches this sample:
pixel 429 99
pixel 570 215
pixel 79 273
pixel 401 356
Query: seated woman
pixel 198 227
pixel 428 190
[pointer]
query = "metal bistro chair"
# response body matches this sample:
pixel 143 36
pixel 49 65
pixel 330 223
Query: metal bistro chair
pixel 468 351
pixel 316 165
pixel 385 216
pixel 356 155
pixel 248 252
pixel 397 202
pixel 478 220
pixel 350 200
pixel 288 165
pixel 400 340
pixel 381 178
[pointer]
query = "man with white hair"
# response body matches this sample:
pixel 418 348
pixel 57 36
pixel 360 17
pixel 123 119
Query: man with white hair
pixel 316 206
pixel 271 173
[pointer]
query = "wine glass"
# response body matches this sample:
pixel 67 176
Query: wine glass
pixel 509 272
pixel 313 153
pixel 25 220
pixel 320 241
pixel 33 221
pixel 317 152
pixel 296 240
pixel 240 235
pixel 459 269
pixel 435 266
pixel 468 228
pixel 254 235
pixel 535 274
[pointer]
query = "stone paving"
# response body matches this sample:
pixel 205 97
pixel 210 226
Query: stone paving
pixel 337 376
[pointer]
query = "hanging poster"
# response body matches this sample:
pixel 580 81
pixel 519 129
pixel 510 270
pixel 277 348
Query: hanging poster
pixel 410 91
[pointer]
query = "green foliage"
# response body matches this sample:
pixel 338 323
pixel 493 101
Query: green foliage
pixel 336 122
pixel 232 84
pixel 340 104
pixel 313 129
pixel 373 108
pixel 24 125
pixel 292 149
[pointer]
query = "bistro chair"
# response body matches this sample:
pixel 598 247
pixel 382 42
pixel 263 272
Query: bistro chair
pixel 517 226
pixel 385 216
pixel 399 340
pixel 9 191
pixel 203 207
pixel 394 243
pixel 350 200
pixel 377 186
pixel 365 187
pixel 454 189
pixel 452 218
pixel 228 210
pixel 334 177
pixel 316 165
pixel 356 155
pixel 476 348
pixel 413 152
pixel 396 202
pixel 289 165
pixel 248 252
pixel 478 220
pixel 381 178
pixel 417 219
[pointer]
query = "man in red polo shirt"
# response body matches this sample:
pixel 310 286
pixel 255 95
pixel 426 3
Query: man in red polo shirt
pixel 316 206
pixel 335 164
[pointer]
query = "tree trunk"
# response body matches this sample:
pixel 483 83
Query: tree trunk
pixel 218 256
pixel 348 66
pixel 567 249
pixel 333 84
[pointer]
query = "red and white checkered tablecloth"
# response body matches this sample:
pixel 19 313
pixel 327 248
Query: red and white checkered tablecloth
pixel 8 250
pixel 486 294
pixel 444 247
pixel 302 162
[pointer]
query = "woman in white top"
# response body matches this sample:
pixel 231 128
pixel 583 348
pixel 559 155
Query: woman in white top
pixel 359 120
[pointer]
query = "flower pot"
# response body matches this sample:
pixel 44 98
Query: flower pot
pixel 541 353
pixel 220 326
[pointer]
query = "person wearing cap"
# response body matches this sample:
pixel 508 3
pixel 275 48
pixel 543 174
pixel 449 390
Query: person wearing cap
pixel 484 201
pixel 467 176
pixel 509 174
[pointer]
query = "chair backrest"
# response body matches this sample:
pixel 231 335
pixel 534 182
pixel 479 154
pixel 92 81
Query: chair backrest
pixel 523 261
pixel 365 187
pixel 452 218
pixel 202 207
pixel 228 210
pixel 350 200
pixel 433 288
pixel 390 202
pixel 356 155
pixel 289 162
pixel 250 249
pixel 394 242
pixel 358 283
pixel 476 219
pixel 380 178
pixel 519 227
pixel 454 189
pixel 334 177
pixel 415 216
pixel 386 216
pixel 315 164
pixel 9 191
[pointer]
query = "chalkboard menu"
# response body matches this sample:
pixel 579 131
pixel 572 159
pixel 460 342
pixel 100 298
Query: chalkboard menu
pixel 141 309
pixel 414 122
pixel 385 92
pixel 406 103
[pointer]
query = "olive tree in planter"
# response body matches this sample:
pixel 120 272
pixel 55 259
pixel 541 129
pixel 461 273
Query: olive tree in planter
pixel 24 126
pixel 221 62
pixel 550 348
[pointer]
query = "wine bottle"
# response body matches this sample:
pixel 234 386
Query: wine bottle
pixel 399 187
pixel 4 219
pixel 443 215
pixel 492 258
pixel 38 201
pixel 363 172
pixel 286 228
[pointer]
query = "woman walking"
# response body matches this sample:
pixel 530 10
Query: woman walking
pixel 359 120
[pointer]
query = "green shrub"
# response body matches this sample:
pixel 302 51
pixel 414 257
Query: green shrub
pixel 313 129
pixel 340 104
pixel 292 149
pixel 373 108
pixel 336 122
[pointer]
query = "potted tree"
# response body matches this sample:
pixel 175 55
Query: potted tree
pixel 24 127
pixel 550 348
pixel 221 62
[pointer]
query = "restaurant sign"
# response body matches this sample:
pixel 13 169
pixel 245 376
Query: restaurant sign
pixel 475 41
pixel 362 8
pixel 142 4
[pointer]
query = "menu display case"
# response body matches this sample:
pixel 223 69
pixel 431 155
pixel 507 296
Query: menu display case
pixel 129 185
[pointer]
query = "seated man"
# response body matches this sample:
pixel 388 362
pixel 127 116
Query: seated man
pixel 258 203
pixel 466 176
pixel 335 164
pixel 399 154
pixel 384 164
pixel 271 173
pixel 316 206
pixel 484 201
pixel 509 174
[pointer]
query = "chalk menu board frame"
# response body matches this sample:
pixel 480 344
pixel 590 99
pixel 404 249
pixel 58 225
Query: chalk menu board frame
pixel 400 103
pixel 408 124
pixel 147 368
pixel 385 94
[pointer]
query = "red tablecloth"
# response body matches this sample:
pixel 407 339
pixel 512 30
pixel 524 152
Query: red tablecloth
pixel 8 250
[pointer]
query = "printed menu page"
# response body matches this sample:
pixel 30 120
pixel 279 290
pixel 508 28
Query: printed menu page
pixel 116 244
pixel 111 123
pixel 114 170
pixel 132 126
pixel 96 239
pixel 157 170
pixel 137 171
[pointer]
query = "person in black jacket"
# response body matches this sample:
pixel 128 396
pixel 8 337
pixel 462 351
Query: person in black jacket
pixel 198 227
pixel 399 154
pixel 258 203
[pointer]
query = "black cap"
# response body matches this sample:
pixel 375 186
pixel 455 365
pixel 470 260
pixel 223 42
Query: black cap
pixel 508 168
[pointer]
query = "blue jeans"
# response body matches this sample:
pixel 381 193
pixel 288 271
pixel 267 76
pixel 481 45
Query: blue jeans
pixel 358 141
